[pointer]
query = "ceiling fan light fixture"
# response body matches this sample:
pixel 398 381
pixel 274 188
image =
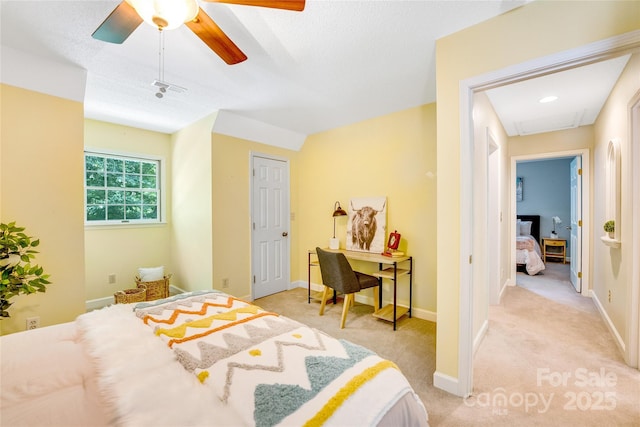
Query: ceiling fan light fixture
pixel 166 14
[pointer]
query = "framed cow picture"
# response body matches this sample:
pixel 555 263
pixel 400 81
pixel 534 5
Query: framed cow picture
pixel 367 224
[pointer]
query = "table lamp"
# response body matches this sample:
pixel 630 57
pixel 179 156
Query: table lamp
pixel 334 243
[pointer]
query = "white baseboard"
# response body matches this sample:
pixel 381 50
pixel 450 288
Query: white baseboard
pixel 446 383
pixel 607 320
pixel 480 336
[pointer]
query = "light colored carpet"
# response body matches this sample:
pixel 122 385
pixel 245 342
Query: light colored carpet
pixel 539 332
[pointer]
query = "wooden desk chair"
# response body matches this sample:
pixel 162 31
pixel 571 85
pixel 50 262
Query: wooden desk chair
pixel 337 274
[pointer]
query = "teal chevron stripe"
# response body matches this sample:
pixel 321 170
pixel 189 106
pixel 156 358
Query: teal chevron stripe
pixel 274 402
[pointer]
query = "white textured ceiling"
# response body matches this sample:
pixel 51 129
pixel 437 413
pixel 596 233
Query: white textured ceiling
pixel 335 63
pixel 581 94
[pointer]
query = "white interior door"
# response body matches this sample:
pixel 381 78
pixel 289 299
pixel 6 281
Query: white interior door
pixel 270 226
pixel 576 223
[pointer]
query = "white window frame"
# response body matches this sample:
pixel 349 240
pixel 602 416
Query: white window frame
pixel 134 156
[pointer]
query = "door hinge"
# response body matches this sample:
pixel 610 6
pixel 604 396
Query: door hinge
pixel 254 278
pixel 470 259
pixel 254 172
pixel 579 171
pixel 579 223
pixel 579 274
pixel 254 225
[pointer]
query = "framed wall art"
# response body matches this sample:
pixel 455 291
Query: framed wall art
pixel 367 224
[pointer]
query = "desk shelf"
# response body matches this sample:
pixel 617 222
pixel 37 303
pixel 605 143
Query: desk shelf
pixel 386 312
pixel 387 273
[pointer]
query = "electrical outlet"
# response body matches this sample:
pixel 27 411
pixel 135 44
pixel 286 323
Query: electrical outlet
pixel 225 283
pixel 33 323
pixel 112 278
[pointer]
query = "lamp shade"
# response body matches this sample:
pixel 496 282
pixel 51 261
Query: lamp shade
pixel 165 14
pixel 337 210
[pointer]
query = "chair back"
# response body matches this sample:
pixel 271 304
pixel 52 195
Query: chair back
pixel 337 272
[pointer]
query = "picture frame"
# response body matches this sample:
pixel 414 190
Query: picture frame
pixel 519 189
pixel 367 224
pixel 394 240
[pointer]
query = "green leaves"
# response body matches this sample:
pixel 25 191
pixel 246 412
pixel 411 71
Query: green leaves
pixel 17 273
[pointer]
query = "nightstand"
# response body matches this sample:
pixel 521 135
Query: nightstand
pixel 554 248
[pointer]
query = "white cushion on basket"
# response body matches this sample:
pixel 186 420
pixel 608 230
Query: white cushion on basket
pixel 151 274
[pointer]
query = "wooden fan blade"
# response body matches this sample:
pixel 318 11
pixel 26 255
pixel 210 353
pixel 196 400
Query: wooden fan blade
pixel 209 32
pixel 119 24
pixel 297 5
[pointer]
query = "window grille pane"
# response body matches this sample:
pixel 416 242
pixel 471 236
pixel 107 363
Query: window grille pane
pixel 133 212
pixel 95 179
pixel 94 163
pixel 95 197
pixel 115 180
pixel 116 212
pixel 148 181
pixel 115 165
pixel 96 213
pixel 132 181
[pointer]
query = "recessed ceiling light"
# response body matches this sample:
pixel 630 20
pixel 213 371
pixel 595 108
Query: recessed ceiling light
pixel 548 99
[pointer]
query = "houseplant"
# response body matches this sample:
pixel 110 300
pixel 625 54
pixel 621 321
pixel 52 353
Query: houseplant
pixel 610 227
pixel 17 274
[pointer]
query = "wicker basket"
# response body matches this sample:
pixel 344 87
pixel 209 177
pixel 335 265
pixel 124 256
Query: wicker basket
pixel 156 289
pixel 130 295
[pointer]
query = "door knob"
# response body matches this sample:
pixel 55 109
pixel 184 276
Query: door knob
pixel 285 234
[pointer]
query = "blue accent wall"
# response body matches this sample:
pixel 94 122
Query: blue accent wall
pixel 546 192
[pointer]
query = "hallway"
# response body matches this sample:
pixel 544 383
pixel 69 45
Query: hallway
pixel 549 358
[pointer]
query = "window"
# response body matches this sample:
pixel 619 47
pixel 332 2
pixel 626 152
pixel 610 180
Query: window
pixel 121 189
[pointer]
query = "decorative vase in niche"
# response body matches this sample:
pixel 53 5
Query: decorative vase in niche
pixel 611 234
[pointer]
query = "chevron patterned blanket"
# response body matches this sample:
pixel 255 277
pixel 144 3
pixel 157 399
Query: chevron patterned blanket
pixel 240 365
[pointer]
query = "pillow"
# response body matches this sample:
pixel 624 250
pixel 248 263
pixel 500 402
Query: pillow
pixel 518 223
pixel 151 274
pixel 525 228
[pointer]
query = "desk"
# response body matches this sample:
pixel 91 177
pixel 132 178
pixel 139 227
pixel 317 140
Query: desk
pixel 554 248
pixel 387 269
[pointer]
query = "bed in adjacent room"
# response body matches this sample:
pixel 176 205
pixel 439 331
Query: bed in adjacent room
pixel 528 251
pixel 197 359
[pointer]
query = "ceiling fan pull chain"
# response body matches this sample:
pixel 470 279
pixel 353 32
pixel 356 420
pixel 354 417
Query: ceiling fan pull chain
pixel 161 89
pixel 161 55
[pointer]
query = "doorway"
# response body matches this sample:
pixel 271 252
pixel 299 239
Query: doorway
pixel 270 213
pixel 468 88
pixel 555 184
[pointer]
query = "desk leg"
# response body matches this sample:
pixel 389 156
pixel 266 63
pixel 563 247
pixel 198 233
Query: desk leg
pixel 379 289
pixel 410 283
pixel 309 278
pixel 395 285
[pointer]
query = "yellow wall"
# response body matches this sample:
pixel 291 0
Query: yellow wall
pixel 41 185
pixel 612 266
pixel 532 31
pixel 121 250
pixel 232 215
pixel 392 156
pixel 191 228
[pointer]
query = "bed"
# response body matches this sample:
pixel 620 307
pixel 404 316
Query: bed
pixel 528 252
pixel 197 359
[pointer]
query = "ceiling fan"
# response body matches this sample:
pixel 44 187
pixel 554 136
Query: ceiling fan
pixel 170 14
